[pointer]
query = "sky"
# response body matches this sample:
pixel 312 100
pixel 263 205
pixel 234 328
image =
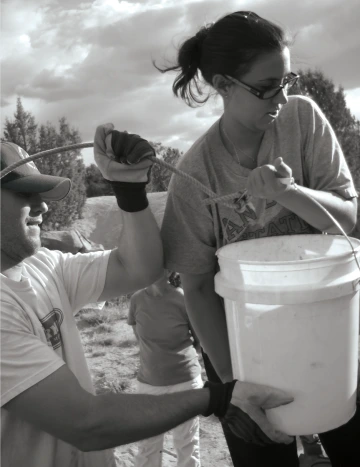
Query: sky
pixel 91 60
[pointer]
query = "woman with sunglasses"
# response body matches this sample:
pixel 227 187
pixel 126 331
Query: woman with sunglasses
pixel 263 136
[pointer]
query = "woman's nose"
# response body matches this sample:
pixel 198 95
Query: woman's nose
pixel 281 97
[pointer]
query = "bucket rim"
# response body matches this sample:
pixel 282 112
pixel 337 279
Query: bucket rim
pixel 345 255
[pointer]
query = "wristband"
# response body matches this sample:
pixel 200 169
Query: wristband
pixel 130 197
pixel 220 397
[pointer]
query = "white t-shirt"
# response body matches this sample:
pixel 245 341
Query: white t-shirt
pixel 192 231
pixel 38 336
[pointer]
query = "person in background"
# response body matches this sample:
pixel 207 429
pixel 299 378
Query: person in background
pixel 262 136
pixel 168 363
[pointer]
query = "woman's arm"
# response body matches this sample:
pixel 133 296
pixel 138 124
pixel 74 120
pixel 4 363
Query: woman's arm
pixel 207 316
pixel 265 182
pixel 344 210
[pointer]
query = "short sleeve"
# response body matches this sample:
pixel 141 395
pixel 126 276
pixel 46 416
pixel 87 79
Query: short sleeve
pixel 188 237
pixel 84 276
pixel 131 314
pixel 25 359
pixel 325 165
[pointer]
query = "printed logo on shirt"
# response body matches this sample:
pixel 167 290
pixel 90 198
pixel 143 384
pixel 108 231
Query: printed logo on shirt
pixel 51 324
pixel 288 224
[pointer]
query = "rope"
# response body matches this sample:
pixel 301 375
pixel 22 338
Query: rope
pixel 241 199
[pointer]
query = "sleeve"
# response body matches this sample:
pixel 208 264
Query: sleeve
pixel 188 237
pixel 25 359
pixel 131 315
pixel 325 165
pixel 83 276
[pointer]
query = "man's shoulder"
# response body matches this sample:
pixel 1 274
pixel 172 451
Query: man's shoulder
pixel 44 257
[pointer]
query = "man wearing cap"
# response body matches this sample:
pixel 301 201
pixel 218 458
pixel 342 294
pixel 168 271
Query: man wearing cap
pixel 50 415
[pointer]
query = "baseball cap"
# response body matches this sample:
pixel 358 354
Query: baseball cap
pixel 27 178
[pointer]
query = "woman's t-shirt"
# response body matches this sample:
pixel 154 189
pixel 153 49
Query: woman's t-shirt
pixel 167 353
pixel 193 231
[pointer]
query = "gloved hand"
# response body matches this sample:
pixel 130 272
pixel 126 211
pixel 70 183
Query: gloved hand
pixel 121 156
pixel 123 160
pixel 242 405
pixel 246 413
pixel 264 182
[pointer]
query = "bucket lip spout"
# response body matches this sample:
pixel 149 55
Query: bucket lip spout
pixel 349 255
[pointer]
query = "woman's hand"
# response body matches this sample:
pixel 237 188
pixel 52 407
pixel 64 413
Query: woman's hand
pixel 265 181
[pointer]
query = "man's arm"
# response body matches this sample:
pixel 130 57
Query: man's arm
pixel 138 260
pixel 207 316
pixel 93 423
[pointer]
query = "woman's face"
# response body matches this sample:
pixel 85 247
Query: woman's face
pixel 246 109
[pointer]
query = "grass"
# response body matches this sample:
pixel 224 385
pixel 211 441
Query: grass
pixel 110 346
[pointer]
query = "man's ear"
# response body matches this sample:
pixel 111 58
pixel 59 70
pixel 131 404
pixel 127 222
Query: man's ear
pixel 221 84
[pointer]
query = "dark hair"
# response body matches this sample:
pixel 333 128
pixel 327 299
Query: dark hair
pixel 228 47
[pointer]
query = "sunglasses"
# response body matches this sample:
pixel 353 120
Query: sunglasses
pixel 268 93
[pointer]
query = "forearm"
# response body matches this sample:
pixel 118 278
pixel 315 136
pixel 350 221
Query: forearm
pixel 343 210
pixel 207 316
pixel 140 248
pixel 117 419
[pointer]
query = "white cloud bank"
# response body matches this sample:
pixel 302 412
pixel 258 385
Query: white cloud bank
pixel 90 61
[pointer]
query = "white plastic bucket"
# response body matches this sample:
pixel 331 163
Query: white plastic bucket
pixel 292 311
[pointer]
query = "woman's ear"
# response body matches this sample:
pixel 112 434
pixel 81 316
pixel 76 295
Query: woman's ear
pixel 221 84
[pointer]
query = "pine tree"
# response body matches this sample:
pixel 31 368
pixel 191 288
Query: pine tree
pixel 160 176
pixel 24 131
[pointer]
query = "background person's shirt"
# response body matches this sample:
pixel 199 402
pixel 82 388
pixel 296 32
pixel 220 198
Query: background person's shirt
pixel 192 231
pixel 167 353
pixel 38 336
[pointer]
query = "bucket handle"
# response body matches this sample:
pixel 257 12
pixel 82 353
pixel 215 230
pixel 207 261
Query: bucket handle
pixel 290 181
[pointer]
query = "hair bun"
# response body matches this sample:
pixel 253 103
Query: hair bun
pixel 202 33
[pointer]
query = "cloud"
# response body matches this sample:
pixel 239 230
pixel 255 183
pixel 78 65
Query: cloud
pixel 91 61
pixel 352 98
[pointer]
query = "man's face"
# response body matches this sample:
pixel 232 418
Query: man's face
pixel 21 216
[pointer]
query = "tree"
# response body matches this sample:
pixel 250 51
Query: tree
pixel 95 183
pixel 160 176
pixel 24 131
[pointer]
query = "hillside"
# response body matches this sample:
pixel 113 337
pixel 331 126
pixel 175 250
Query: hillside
pixel 102 217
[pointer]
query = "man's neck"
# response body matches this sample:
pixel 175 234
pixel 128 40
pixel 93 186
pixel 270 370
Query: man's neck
pixel 10 268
